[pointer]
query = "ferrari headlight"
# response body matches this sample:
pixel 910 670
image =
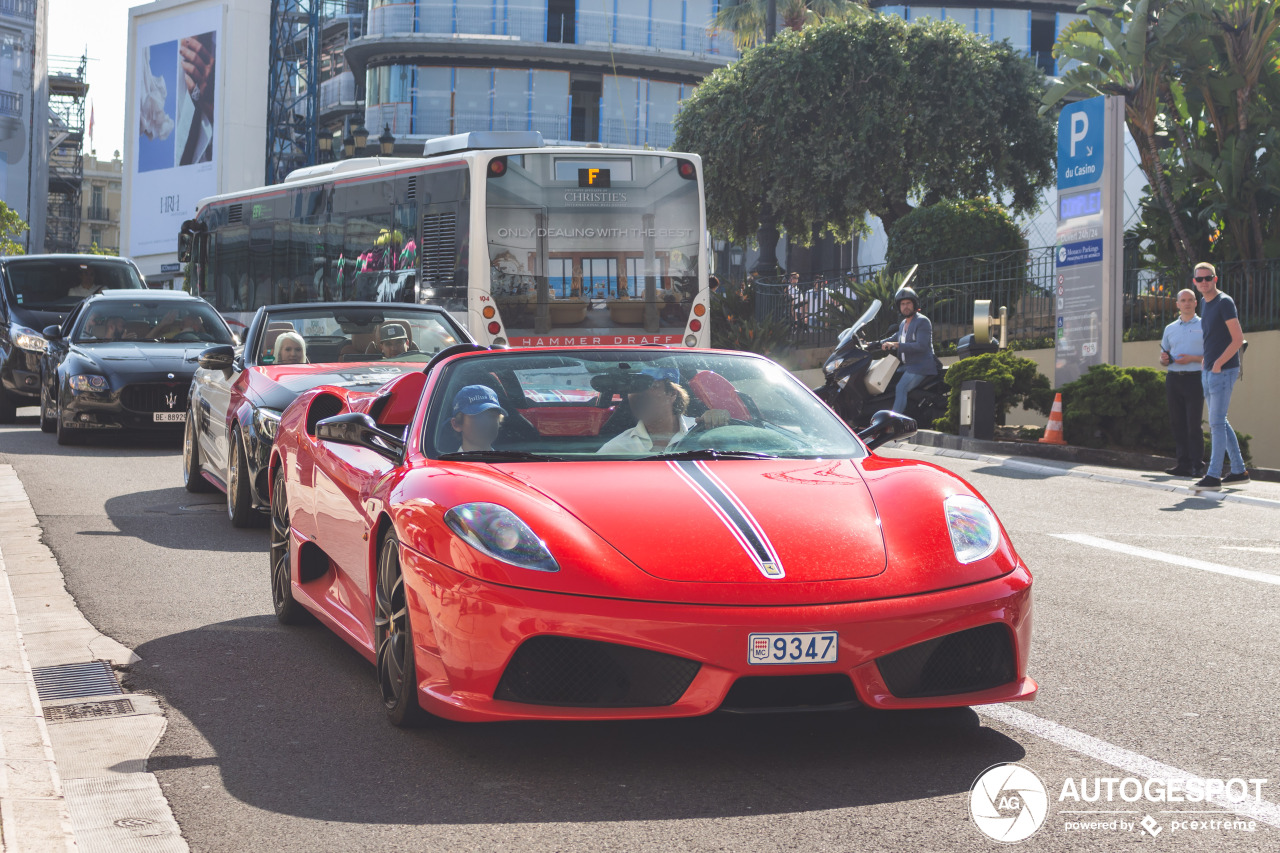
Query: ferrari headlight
pixel 88 382
pixel 499 532
pixel 26 339
pixel 973 527
pixel 266 422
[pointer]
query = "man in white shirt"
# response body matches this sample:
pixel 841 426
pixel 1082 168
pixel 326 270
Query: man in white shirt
pixel 659 404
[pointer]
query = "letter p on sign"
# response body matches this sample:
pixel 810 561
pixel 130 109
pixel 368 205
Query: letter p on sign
pixel 1079 129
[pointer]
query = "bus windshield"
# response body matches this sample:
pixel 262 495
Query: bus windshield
pixel 593 249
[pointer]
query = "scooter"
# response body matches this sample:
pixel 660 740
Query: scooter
pixel 861 379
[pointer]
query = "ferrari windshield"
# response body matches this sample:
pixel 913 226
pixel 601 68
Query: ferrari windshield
pixel 641 404
pixel 153 320
pixel 337 333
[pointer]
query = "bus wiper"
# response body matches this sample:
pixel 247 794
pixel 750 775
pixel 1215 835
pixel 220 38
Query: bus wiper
pixel 498 456
pixel 712 453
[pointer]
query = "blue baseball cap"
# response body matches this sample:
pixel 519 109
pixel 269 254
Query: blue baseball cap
pixel 474 399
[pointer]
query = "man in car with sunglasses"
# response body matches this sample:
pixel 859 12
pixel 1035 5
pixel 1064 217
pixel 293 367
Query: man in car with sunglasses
pixel 1221 368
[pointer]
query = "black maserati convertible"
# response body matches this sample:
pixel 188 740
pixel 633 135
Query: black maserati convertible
pixel 123 360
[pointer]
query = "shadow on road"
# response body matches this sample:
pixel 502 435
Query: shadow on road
pixel 294 721
pixel 24 438
pixel 176 518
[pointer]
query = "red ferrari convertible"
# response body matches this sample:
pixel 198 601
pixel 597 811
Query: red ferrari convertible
pixel 636 532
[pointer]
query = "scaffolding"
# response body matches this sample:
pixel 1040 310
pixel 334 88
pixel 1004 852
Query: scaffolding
pixel 307 38
pixel 68 90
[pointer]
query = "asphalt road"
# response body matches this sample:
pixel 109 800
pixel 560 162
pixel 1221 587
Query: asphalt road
pixel 276 739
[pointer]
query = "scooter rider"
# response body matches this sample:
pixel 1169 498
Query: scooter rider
pixel 913 342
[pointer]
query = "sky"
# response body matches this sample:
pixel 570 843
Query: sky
pixel 102 28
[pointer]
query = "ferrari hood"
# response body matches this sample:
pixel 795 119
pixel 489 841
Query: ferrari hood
pixel 730 521
pixel 287 381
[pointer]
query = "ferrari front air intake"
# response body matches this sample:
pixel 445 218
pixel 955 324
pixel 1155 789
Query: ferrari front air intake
pixel 571 672
pixel 964 662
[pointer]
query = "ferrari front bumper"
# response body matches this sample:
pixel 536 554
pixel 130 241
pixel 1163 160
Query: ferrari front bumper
pixel 467 634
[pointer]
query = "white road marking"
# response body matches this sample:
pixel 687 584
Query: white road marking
pixel 1262 811
pixel 1247 548
pixel 1148 554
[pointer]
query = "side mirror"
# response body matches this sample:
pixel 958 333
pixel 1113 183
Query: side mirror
pixel 887 426
pixel 357 428
pixel 221 357
pixel 52 333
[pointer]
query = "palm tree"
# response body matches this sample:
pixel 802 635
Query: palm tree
pixel 746 18
pixel 1121 49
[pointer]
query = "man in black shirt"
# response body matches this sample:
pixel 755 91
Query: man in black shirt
pixel 1219 372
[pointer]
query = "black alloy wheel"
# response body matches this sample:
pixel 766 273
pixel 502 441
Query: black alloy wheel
pixel 240 509
pixel 65 436
pixel 393 640
pixel 288 610
pixel 8 408
pixel 48 420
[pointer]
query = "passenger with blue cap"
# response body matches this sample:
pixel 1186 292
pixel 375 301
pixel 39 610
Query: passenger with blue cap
pixel 477 417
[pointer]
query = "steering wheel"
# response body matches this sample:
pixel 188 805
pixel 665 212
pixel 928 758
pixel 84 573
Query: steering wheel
pixel 763 444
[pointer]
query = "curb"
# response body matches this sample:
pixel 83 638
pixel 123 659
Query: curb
pixel 33 810
pixel 77 779
pixel 1059 471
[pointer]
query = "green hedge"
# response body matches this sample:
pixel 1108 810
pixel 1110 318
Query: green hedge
pixel 1015 381
pixel 1123 407
pixel 952 229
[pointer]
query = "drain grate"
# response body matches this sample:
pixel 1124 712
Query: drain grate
pixel 71 680
pixel 87 710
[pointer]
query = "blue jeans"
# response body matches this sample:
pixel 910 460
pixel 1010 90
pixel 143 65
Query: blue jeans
pixel 1217 393
pixel 907 382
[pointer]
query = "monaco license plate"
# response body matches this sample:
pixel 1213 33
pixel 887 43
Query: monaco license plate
pixel 169 417
pixel 808 647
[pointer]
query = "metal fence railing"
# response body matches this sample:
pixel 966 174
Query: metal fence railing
pixel 1023 281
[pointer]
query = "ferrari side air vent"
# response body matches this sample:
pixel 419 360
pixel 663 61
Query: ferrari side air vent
pixel 323 406
pixel 570 672
pixel 964 662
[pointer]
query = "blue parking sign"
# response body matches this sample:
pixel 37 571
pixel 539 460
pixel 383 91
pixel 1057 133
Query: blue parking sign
pixel 1080 143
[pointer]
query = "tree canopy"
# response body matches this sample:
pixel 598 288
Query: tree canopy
pixel 11 228
pixel 746 18
pixel 1201 81
pixel 849 118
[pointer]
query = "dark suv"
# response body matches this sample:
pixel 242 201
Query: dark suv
pixel 38 291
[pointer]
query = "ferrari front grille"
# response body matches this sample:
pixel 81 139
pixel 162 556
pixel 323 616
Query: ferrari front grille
pixel 571 672
pixel 963 662
pixel 155 397
pixel 765 693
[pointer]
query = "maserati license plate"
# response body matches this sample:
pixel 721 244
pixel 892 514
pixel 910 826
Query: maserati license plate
pixel 809 647
pixel 169 417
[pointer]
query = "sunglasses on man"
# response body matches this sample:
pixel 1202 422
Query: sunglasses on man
pixel 1205 277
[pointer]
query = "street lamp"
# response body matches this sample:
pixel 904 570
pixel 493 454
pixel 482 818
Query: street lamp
pixel 386 142
pixel 335 144
pixel 324 144
pixel 348 145
pixel 361 134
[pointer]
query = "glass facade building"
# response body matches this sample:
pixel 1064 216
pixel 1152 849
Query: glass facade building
pixel 613 72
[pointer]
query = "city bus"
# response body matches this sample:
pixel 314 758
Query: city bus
pixel 528 244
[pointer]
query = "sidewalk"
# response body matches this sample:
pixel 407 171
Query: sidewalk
pixel 73 745
pixel 1263 490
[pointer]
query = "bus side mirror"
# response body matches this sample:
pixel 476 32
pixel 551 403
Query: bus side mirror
pixel 184 247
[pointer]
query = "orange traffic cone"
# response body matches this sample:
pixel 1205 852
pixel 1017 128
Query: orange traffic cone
pixel 1053 432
